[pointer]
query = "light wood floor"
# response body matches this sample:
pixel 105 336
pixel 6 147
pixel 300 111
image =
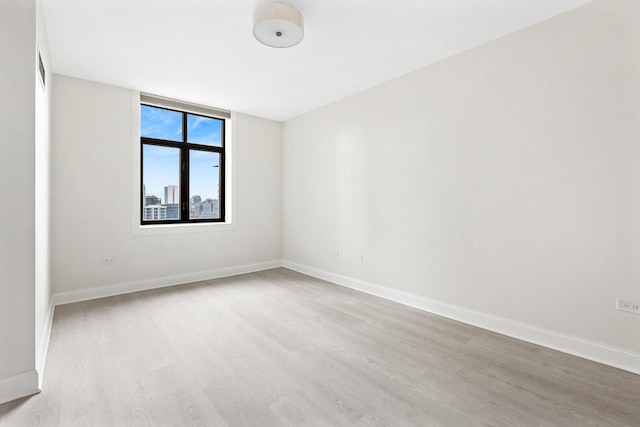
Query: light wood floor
pixel 277 348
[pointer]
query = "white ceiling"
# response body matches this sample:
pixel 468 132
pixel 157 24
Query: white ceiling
pixel 203 51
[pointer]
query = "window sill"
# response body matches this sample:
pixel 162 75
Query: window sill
pixel 160 229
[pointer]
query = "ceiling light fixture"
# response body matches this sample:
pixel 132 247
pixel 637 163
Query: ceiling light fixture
pixel 278 25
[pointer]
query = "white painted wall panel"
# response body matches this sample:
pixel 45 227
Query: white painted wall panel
pixel 43 95
pixel 17 173
pixel 93 184
pixel 503 180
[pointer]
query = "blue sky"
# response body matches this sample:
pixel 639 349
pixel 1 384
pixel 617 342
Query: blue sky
pixel 162 164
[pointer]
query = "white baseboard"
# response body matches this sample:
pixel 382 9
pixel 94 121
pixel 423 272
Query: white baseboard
pixel 597 352
pixel 29 383
pixel 143 285
pixel 18 386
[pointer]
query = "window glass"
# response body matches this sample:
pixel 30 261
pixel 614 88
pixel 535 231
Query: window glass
pixel 204 188
pixel 160 123
pixel 160 175
pixel 204 130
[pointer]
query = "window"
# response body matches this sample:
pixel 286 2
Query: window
pixel 182 152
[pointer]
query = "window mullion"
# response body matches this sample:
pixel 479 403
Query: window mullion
pixel 184 174
pixel 221 183
pixel 184 184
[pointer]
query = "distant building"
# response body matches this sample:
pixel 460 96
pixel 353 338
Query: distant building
pixel 151 200
pixel 154 213
pixel 173 211
pixel 195 207
pixel 210 209
pixel 171 194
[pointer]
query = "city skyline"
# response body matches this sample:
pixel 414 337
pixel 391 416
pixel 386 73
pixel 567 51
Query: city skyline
pixel 168 201
pixel 154 208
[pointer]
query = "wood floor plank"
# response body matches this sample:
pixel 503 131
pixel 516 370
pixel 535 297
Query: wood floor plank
pixel 277 348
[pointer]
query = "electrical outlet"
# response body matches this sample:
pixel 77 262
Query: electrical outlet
pixel 630 306
pixel 108 260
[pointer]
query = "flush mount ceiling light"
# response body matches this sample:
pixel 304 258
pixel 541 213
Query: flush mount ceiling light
pixel 278 25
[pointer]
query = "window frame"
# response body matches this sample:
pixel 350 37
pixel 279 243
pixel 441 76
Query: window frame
pixel 185 148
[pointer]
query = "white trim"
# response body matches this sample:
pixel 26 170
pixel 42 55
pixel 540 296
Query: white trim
pixel 597 352
pixel 43 346
pixel 18 386
pixel 189 107
pixel 143 285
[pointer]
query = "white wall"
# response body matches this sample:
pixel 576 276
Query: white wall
pixel 502 181
pixel 17 216
pixel 93 180
pixel 43 291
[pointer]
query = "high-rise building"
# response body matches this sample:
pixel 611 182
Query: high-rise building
pixel 151 200
pixel 155 213
pixel 195 207
pixel 171 195
pixel 173 211
pixel 210 209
